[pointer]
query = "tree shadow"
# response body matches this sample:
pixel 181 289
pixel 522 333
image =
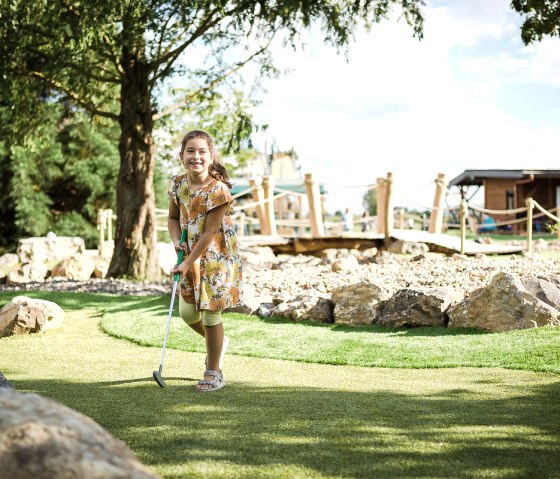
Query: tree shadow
pixel 454 432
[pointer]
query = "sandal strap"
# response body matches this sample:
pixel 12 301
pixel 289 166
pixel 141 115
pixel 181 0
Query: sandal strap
pixel 215 374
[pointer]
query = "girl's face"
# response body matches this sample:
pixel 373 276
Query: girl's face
pixel 197 156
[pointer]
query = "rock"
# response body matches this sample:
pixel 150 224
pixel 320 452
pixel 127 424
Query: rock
pixel 350 263
pixel 502 306
pixel 407 247
pixel 101 267
pixel 49 249
pixel 4 383
pixel 251 302
pixel 167 257
pixel 25 315
pixel 416 307
pixel 28 272
pixel 8 260
pixel 42 439
pixel 306 307
pixel 78 267
pixel 547 289
pixel 357 303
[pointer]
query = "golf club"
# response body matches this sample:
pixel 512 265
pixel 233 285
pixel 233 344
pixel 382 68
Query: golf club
pixel 157 374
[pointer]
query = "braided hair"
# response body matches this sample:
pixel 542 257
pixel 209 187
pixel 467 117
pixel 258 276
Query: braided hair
pixel 216 169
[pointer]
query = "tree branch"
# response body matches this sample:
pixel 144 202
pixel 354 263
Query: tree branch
pixel 208 87
pixel 88 105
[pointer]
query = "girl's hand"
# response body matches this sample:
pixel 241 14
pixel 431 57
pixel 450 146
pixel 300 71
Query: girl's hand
pixel 179 246
pixel 181 269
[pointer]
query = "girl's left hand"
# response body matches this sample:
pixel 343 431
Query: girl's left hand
pixel 181 269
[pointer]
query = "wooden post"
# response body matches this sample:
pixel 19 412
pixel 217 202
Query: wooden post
pixel 380 205
pixel 529 203
pixel 436 218
pixel 257 195
pixel 314 199
pixel 241 231
pixel 463 215
pixel 389 215
pixel 558 223
pixel 268 188
pixel 101 229
pixel 109 225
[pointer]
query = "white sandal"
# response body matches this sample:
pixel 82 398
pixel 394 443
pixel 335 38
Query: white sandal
pixel 216 383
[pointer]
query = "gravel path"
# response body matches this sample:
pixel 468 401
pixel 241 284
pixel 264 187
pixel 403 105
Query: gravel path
pixel 291 275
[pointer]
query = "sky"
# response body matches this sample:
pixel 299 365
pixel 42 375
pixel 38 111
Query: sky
pixel 468 95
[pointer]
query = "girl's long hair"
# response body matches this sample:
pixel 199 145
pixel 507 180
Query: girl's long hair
pixel 216 169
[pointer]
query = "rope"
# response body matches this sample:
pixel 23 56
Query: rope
pixel 544 212
pixel 266 200
pixel 498 212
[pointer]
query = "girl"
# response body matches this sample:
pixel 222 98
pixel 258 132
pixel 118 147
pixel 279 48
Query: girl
pixel 211 272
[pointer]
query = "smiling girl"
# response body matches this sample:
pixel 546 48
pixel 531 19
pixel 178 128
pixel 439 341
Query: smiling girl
pixel 211 272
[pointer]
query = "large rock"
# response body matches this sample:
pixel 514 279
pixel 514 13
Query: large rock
pixel 417 307
pixel 25 315
pixel 309 307
pixel 357 303
pixel 4 383
pixel 547 289
pixel 8 260
pixel 42 439
pixel 78 267
pixel 503 305
pixel 52 248
pixel 33 271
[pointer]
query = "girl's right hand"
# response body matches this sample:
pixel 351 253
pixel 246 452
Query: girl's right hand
pixel 179 246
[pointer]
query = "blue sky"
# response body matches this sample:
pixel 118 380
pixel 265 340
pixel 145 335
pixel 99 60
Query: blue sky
pixel 469 95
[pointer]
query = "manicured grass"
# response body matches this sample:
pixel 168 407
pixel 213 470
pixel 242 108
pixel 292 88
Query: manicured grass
pixel 289 419
pixel 534 350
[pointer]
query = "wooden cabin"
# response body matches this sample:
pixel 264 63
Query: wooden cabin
pixel 509 189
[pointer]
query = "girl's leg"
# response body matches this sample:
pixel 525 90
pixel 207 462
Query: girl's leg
pixel 191 316
pixel 214 342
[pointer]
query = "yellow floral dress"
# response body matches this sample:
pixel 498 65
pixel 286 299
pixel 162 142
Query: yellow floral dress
pixel 215 280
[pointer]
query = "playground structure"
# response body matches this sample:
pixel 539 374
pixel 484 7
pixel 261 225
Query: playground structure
pixel 267 213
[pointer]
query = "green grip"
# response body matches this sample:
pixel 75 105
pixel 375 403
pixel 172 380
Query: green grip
pixel 181 254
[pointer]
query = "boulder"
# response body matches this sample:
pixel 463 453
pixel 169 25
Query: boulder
pixel 8 261
pixel 42 439
pixel 416 307
pixel 407 247
pixel 25 315
pixel 305 307
pixel 101 267
pixel 357 303
pixel 503 305
pixel 33 271
pixel 547 289
pixel 4 383
pixel 49 248
pixel 78 267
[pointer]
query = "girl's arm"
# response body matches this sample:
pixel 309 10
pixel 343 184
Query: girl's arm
pixel 213 221
pixel 174 225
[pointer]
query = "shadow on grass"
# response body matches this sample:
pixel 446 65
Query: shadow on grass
pixel 76 301
pixel 452 433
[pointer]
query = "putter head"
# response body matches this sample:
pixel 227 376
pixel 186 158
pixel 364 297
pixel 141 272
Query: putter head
pixel 159 379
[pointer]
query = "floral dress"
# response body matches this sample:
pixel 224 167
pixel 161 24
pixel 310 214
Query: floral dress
pixel 215 280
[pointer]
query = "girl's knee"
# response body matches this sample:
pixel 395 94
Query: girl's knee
pixel 188 312
pixel 211 318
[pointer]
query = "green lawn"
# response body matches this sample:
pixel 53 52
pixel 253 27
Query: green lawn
pixel 280 418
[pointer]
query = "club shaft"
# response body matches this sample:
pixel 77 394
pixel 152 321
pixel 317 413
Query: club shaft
pixel 175 283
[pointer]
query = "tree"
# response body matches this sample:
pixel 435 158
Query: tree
pixel 542 18
pixel 369 201
pixel 92 52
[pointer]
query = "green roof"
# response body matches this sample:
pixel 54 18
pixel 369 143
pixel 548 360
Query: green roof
pixel 297 186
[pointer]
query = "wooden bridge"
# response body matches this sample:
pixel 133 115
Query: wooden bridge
pixel 438 243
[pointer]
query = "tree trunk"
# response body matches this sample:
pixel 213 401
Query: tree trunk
pixel 135 253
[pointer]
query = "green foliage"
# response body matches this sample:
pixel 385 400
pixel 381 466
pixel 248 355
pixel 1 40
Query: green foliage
pixel 369 201
pixel 542 18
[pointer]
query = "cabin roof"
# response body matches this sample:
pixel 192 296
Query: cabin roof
pixel 297 186
pixel 477 177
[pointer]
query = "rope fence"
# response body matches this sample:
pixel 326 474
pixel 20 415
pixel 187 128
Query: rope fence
pixel 260 213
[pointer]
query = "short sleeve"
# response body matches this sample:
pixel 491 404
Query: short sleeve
pixel 219 195
pixel 173 188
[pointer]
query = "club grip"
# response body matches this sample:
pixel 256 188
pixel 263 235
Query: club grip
pixel 176 277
